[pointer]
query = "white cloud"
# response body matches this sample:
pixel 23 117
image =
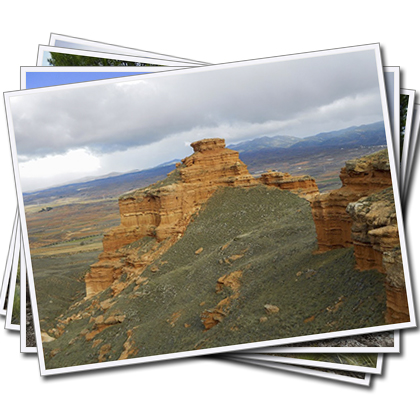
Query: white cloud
pixel 148 120
pixel 52 170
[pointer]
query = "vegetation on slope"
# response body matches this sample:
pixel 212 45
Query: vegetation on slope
pixel 264 235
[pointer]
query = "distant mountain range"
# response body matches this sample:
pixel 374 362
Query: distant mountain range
pixel 102 187
pixel 262 143
pixel 364 135
pixel 281 152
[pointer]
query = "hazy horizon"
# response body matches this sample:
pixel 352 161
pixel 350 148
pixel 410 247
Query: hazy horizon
pixel 112 174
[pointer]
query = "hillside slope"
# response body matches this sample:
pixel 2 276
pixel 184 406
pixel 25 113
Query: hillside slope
pixel 244 271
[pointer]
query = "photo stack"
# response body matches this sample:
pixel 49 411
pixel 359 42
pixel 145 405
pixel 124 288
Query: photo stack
pixel 170 208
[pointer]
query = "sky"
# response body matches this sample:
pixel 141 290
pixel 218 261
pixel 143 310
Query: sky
pixel 91 129
pixel 45 57
pixel 39 79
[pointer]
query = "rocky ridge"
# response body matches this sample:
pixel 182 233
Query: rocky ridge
pixel 162 211
pixel 360 178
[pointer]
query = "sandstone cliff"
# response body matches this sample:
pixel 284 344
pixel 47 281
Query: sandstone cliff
pixel 304 186
pixel 163 210
pixel 377 246
pixel 360 178
pixel 362 214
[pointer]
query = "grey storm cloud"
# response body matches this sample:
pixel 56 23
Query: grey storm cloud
pixel 300 97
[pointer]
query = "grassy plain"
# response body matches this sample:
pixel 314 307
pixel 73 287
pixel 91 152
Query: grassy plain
pixel 64 242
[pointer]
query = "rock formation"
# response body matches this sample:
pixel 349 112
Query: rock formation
pixel 304 186
pixel 362 214
pixel 377 246
pixel 163 210
pixel 360 178
pixel 374 229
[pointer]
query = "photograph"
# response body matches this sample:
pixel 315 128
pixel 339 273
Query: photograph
pixel 35 77
pixel 153 240
pixel 256 203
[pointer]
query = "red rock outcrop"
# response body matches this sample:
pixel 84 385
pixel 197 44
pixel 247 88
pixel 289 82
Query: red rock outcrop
pixel 377 246
pixel 163 210
pixel 210 318
pixel 304 186
pixel 360 178
pixel 362 214
pixel 374 229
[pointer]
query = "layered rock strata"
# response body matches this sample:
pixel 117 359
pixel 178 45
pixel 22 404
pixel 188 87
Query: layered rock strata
pixel 377 246
pixel 362 214
pixel 304 186
pixel 163 210
pixel 360 178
